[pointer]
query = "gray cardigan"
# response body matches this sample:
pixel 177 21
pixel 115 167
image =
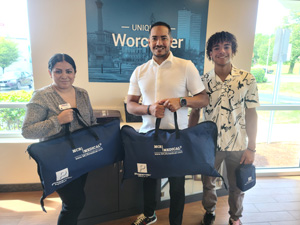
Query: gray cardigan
pixel 41 116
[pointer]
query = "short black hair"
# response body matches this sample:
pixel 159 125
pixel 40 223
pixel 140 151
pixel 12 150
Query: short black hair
pixel 218 38
pixel 160 23
pixel 60 57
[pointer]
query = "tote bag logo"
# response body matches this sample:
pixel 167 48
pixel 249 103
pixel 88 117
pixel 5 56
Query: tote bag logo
pixel 62 176
pixel 142 168
pixel 160 150
pixel 83 153
pixel 250 180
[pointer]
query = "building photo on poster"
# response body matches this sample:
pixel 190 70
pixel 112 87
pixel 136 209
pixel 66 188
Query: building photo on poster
pixel 118 31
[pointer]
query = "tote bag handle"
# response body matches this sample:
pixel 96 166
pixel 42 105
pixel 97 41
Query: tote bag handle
pixel 157 124
pixel 83 123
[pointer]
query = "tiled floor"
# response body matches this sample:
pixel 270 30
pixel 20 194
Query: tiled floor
pixel 273 201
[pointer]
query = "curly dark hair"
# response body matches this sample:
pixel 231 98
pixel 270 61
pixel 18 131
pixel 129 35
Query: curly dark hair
pixel 218 38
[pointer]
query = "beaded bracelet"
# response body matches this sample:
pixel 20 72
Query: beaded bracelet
pixel 252 150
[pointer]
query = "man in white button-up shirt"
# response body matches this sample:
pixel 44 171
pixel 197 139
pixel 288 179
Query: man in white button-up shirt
pixel 233 97
pixel 164 82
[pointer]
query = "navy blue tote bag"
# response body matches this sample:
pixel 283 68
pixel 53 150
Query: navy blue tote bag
pixel 170 153
pixel 63 159
pixel 245 176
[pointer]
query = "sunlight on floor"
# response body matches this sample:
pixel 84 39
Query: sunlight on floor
pixel 21 206
pixel 53 200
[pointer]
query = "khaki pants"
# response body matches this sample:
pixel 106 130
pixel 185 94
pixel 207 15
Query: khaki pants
pixel 236 196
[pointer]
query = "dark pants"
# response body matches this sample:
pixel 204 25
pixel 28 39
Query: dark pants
pixel 177 198
pixel 73 199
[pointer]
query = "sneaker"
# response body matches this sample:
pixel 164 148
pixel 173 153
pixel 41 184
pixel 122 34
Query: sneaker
pixel 234 222
pixel 208 219
pixel 144 220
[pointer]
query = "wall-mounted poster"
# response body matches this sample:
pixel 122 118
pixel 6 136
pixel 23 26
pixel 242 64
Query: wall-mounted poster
pixel 118 31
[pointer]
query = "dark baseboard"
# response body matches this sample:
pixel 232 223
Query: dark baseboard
pixel 20 187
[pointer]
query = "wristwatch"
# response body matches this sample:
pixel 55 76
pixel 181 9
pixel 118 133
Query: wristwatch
pixel 182 102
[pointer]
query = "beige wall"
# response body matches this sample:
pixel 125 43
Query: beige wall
pixel 239 18
pixel 60 26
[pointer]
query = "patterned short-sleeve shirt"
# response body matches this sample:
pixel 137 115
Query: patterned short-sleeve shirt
pixel 227 104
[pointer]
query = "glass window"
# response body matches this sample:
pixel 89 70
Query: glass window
pixel 276 66
pixel 16 78
pixel 278 144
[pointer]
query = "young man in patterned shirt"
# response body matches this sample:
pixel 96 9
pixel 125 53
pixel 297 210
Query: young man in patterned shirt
pixel 233 98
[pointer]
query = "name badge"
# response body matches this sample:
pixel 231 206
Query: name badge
pixel 64 106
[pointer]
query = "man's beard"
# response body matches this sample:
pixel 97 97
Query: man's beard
pixel 163 55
